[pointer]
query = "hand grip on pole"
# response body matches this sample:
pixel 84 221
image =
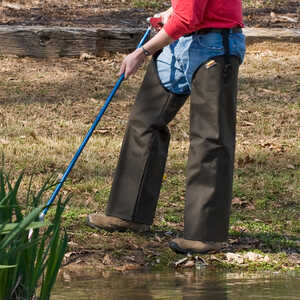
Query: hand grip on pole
pixel 156 22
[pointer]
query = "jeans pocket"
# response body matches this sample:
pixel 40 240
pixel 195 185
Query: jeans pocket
pixel 210 41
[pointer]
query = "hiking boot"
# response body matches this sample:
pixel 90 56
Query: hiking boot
pixel 100 221
pixel 184 246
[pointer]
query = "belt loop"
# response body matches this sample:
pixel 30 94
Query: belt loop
pixel 225 35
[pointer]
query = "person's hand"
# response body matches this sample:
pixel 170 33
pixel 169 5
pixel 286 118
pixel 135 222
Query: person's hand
pixel 132 62
pixel 158 20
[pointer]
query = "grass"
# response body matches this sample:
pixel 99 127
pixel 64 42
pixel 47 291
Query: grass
pixel 154 4
pixel 263 3
pixel 145 4
pixel 90 5
pixel 47 106
pixel 29 262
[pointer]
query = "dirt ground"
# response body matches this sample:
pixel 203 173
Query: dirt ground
pixel 131 13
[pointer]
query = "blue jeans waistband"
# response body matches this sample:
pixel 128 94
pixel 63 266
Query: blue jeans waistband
pixel 216 30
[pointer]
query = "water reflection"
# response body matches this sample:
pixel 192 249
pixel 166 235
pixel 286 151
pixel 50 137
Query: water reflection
pixel 192 285
pixel 200 286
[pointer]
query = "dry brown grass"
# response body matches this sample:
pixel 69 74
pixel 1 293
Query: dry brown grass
pixel 47 106
pixel 269 97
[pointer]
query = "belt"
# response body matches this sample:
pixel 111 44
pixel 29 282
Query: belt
pixel 218 30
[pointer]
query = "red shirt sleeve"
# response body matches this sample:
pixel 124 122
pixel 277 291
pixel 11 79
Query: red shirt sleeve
pixel 192 15
pixel 186 15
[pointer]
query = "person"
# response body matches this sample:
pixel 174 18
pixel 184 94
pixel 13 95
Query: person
pixel 196 54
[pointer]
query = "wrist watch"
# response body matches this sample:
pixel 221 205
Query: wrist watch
pixel 146 52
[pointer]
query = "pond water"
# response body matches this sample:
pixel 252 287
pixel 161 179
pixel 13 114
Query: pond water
pixel 198 285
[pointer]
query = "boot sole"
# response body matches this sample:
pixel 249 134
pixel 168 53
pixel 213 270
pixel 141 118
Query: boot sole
pixel 180 250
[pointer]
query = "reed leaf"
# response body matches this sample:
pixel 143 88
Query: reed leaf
pixel 34 225
pixel 20 227
pixel 28 265
pixel 6 267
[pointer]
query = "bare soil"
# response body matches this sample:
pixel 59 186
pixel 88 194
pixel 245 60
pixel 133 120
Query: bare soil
pixel 129 13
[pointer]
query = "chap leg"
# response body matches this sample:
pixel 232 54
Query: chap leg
pixel 211 153
pixel 140 169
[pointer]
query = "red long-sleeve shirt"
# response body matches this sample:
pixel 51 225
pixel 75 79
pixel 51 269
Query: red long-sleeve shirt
pixel 191 15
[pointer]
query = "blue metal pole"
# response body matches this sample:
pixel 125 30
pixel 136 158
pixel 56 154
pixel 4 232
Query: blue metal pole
pixel 88 135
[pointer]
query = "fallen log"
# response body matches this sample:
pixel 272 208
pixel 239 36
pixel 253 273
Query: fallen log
pixel 256 35
pixel 47 42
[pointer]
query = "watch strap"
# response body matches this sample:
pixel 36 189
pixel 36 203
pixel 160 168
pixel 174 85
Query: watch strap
pixel 145 51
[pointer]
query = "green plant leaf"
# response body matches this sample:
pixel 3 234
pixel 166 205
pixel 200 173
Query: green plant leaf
pixel 34 225
pixel 7 267
pixel 28 266
pixel 21 227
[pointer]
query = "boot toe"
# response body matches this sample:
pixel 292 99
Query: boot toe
pixel 176 248
pixel 99 222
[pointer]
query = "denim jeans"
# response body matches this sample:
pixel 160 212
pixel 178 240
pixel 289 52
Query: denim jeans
pixel 177 63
